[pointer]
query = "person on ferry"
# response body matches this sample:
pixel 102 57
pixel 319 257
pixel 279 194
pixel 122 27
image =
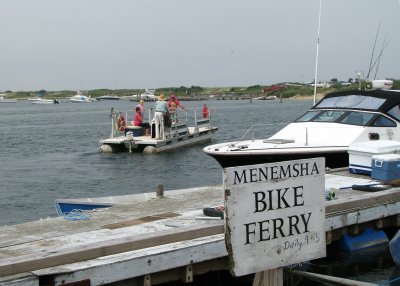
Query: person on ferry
pixel 172 99
pixel 138 121
pixel 161 108
pixel 172 111
pixel 141 106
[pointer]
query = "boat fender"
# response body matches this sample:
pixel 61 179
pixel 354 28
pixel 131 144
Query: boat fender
pixel 105 148
pixel 121 122
pixel 150 150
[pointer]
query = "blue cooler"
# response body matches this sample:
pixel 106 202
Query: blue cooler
pixel 386 167
pixel 361 153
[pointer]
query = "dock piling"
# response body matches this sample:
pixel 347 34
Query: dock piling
pixel 160 191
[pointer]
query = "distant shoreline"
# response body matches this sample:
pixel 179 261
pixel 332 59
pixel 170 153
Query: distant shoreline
pixel 307 97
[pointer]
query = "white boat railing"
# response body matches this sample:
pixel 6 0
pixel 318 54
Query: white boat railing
pixel 178 127
pixel 257 128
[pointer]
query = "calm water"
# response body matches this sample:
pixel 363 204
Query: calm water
pixel 51 151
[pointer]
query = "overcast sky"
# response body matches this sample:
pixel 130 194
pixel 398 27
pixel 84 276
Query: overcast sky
pixel 90 44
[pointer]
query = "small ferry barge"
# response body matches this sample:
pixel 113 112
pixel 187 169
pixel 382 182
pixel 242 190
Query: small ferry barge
pixel 129 138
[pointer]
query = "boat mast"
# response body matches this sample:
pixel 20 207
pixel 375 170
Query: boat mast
pixel 316 58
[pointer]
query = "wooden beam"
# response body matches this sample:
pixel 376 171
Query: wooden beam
pixel 330 279
pixel 27 263
pixel 362 202
pixel 272 277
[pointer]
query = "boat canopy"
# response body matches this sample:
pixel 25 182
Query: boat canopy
pixel 373 100
pixel 359 118
pixel 352 101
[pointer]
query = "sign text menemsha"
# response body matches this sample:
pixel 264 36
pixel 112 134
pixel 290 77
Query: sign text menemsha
pixel 263 174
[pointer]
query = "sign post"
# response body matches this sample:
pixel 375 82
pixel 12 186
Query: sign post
pixel 274 214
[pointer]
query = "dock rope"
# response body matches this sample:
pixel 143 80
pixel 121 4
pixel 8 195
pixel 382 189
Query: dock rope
pixel 389 281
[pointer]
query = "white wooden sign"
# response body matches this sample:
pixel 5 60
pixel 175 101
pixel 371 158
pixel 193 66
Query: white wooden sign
pixel 274 214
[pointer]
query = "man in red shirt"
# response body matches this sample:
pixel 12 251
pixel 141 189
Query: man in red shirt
pixel 173 99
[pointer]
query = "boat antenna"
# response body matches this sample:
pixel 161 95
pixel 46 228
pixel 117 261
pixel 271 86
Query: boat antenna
pixel 371 65
pixel 316 58
pixel 378 60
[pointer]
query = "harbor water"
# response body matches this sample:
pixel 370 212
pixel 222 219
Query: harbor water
pixel 52 151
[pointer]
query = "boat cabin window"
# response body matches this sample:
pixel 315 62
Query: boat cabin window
pixel 357 118
pixel 328 116
pixel 352 101
pixel 382 121
pixel 308 116
pixel 395 112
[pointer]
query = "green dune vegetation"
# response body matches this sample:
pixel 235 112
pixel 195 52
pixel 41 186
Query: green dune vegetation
pixel 289 90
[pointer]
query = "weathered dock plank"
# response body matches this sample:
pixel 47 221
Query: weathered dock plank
pixel 112 246
pixel 24 279
pixel 141 262
pixel 154 237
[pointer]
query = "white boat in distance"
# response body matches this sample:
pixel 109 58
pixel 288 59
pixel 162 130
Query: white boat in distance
pixel 39 100
pixel 269 97
pixel 149 94
pixel 326 130
pixel 80 98
pixel 6 100
pixel 108 97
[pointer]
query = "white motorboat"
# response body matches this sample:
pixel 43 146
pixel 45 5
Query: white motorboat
pixel 148 94
pixel 80 98
pixel 6 100
pixel 269 97
pixel 39 100
pixel 326 130
pixel 108 97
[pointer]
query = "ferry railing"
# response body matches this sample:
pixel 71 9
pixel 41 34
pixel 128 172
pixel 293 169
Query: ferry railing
pixel 203 121
pixel 114 120
pixel 181 122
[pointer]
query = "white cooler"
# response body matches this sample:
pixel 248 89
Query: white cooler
pixel 360 154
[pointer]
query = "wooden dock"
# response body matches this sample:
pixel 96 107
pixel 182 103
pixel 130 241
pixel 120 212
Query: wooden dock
pixel 158 239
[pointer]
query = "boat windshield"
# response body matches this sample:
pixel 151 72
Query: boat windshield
pixel 328 116
pixel 357 118
pixel 308 116
pixel 395 112
pixel 348 117
pixel 321 116
pixel 352 101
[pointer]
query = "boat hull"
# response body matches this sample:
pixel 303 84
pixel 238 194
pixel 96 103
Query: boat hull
pixel 65 208
pixel 332 160
pixel 139 144
pixel 107 98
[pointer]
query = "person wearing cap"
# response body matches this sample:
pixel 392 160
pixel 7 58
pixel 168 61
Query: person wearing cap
pixel 173 98
pixel 161 108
